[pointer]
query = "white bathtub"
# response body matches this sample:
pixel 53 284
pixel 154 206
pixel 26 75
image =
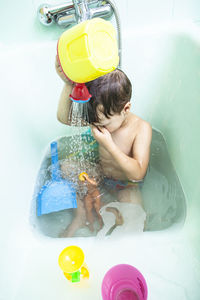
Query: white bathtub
pixel 164 65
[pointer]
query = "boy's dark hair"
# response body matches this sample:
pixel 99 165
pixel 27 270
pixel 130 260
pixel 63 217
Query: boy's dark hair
pixel 112 91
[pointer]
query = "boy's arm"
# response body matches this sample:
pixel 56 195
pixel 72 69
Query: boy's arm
pixel 141 149
pixel 133 167
pixel 64 104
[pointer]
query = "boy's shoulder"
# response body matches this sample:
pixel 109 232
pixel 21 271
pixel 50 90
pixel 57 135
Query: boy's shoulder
pixel 140 123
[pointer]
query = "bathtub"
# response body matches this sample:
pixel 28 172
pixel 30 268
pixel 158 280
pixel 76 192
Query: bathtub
pixel 164 66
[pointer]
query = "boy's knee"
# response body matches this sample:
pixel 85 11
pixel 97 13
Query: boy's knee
pixel 131 195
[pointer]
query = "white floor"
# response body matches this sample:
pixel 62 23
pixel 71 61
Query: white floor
pixel 31 268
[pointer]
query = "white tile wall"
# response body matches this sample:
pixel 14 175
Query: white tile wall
pixel 19 22
pixel 150 12
pixel 186 9
pixel 145 13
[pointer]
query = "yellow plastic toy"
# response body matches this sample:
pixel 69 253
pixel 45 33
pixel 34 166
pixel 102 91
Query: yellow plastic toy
pixel 71 261
pixel 87 51
pixel 81 176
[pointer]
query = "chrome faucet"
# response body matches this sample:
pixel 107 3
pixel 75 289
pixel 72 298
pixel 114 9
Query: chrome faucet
pixel 73 12
pixel 82 10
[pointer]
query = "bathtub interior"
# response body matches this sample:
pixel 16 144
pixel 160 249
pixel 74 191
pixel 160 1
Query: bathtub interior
pixel 162 194
pixel 30 91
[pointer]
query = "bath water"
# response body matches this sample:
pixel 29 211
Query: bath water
pixel 162 194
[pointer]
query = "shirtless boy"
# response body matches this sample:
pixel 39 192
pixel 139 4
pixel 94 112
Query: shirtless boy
pixel 124 138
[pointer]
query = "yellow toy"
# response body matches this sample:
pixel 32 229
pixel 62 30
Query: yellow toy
pixel 82 176
pixel 71 261
pixel 87 51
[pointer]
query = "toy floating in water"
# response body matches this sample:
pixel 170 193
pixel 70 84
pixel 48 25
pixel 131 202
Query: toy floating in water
pixel 124 282
pixel 82 176
pixel 71 261
pixel 57 194
pixel 87 51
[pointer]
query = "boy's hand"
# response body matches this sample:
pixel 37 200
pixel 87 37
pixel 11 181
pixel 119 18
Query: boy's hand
pixel 60 72
pixel 102 135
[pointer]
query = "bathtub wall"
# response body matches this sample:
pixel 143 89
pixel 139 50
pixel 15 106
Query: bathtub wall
pixel 174 109
pixel 20 21
pixel 165 71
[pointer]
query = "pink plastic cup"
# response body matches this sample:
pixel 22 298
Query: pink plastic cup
pixel 124 282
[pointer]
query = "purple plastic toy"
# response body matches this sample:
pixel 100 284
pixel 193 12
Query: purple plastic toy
pixel 124 282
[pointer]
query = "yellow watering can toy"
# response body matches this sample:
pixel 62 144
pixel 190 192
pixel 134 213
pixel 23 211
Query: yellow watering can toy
pixel 71 261
pixel 85 52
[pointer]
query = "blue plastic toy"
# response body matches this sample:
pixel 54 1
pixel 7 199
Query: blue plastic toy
pixel 57 194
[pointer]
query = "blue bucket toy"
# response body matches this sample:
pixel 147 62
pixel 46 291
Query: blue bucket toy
pixel 58 193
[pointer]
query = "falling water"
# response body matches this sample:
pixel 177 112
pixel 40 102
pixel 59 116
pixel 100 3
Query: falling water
pixel 78 117
pixel 79 156
pixel 78 114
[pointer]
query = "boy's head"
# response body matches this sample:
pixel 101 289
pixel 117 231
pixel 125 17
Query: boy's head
pixel 110 100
